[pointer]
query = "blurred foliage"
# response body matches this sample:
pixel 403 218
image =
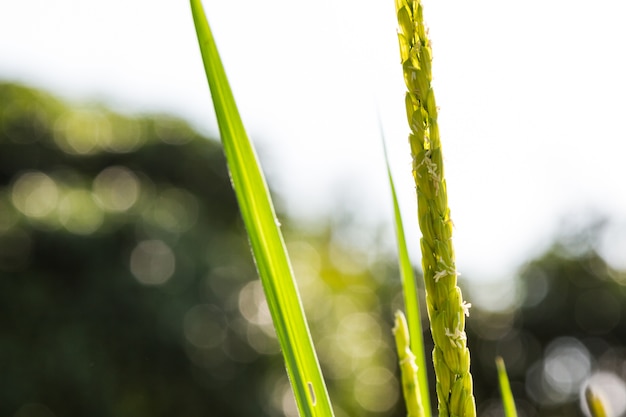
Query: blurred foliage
pixel 127 288
pixel 566 330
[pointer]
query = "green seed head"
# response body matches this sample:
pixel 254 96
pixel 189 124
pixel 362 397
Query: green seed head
pixel 446 308
pixel 408 367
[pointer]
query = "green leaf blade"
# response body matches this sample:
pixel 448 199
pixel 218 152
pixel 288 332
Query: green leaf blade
pixel 505 389
pixel 411 300
pixel 265 237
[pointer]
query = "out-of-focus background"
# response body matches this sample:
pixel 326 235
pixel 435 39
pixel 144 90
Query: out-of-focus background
pixel 126 283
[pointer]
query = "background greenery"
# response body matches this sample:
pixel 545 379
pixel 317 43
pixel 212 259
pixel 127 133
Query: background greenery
pixel 127 287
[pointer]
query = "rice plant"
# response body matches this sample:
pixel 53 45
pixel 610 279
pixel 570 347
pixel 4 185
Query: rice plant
pixel 446 308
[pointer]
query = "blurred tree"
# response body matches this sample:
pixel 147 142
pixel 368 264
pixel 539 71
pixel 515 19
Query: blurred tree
pixel 567 328
pixel 109 228
pixel 127 286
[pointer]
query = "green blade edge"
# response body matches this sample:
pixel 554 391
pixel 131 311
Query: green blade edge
pixel 505 389
pixel 265 237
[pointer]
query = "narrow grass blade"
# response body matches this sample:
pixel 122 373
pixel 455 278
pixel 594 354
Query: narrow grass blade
pixel 408 368
pixel 265 237
pixel 594 402
pixel 411 300
pixel 505 389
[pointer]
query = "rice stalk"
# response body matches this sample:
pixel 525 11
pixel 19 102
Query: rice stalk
pixel 445 305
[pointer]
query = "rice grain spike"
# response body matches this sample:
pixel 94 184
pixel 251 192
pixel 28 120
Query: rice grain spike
pixel 408 368
pixel 446 308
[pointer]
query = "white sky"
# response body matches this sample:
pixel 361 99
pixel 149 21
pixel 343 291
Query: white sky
pixel 531 98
